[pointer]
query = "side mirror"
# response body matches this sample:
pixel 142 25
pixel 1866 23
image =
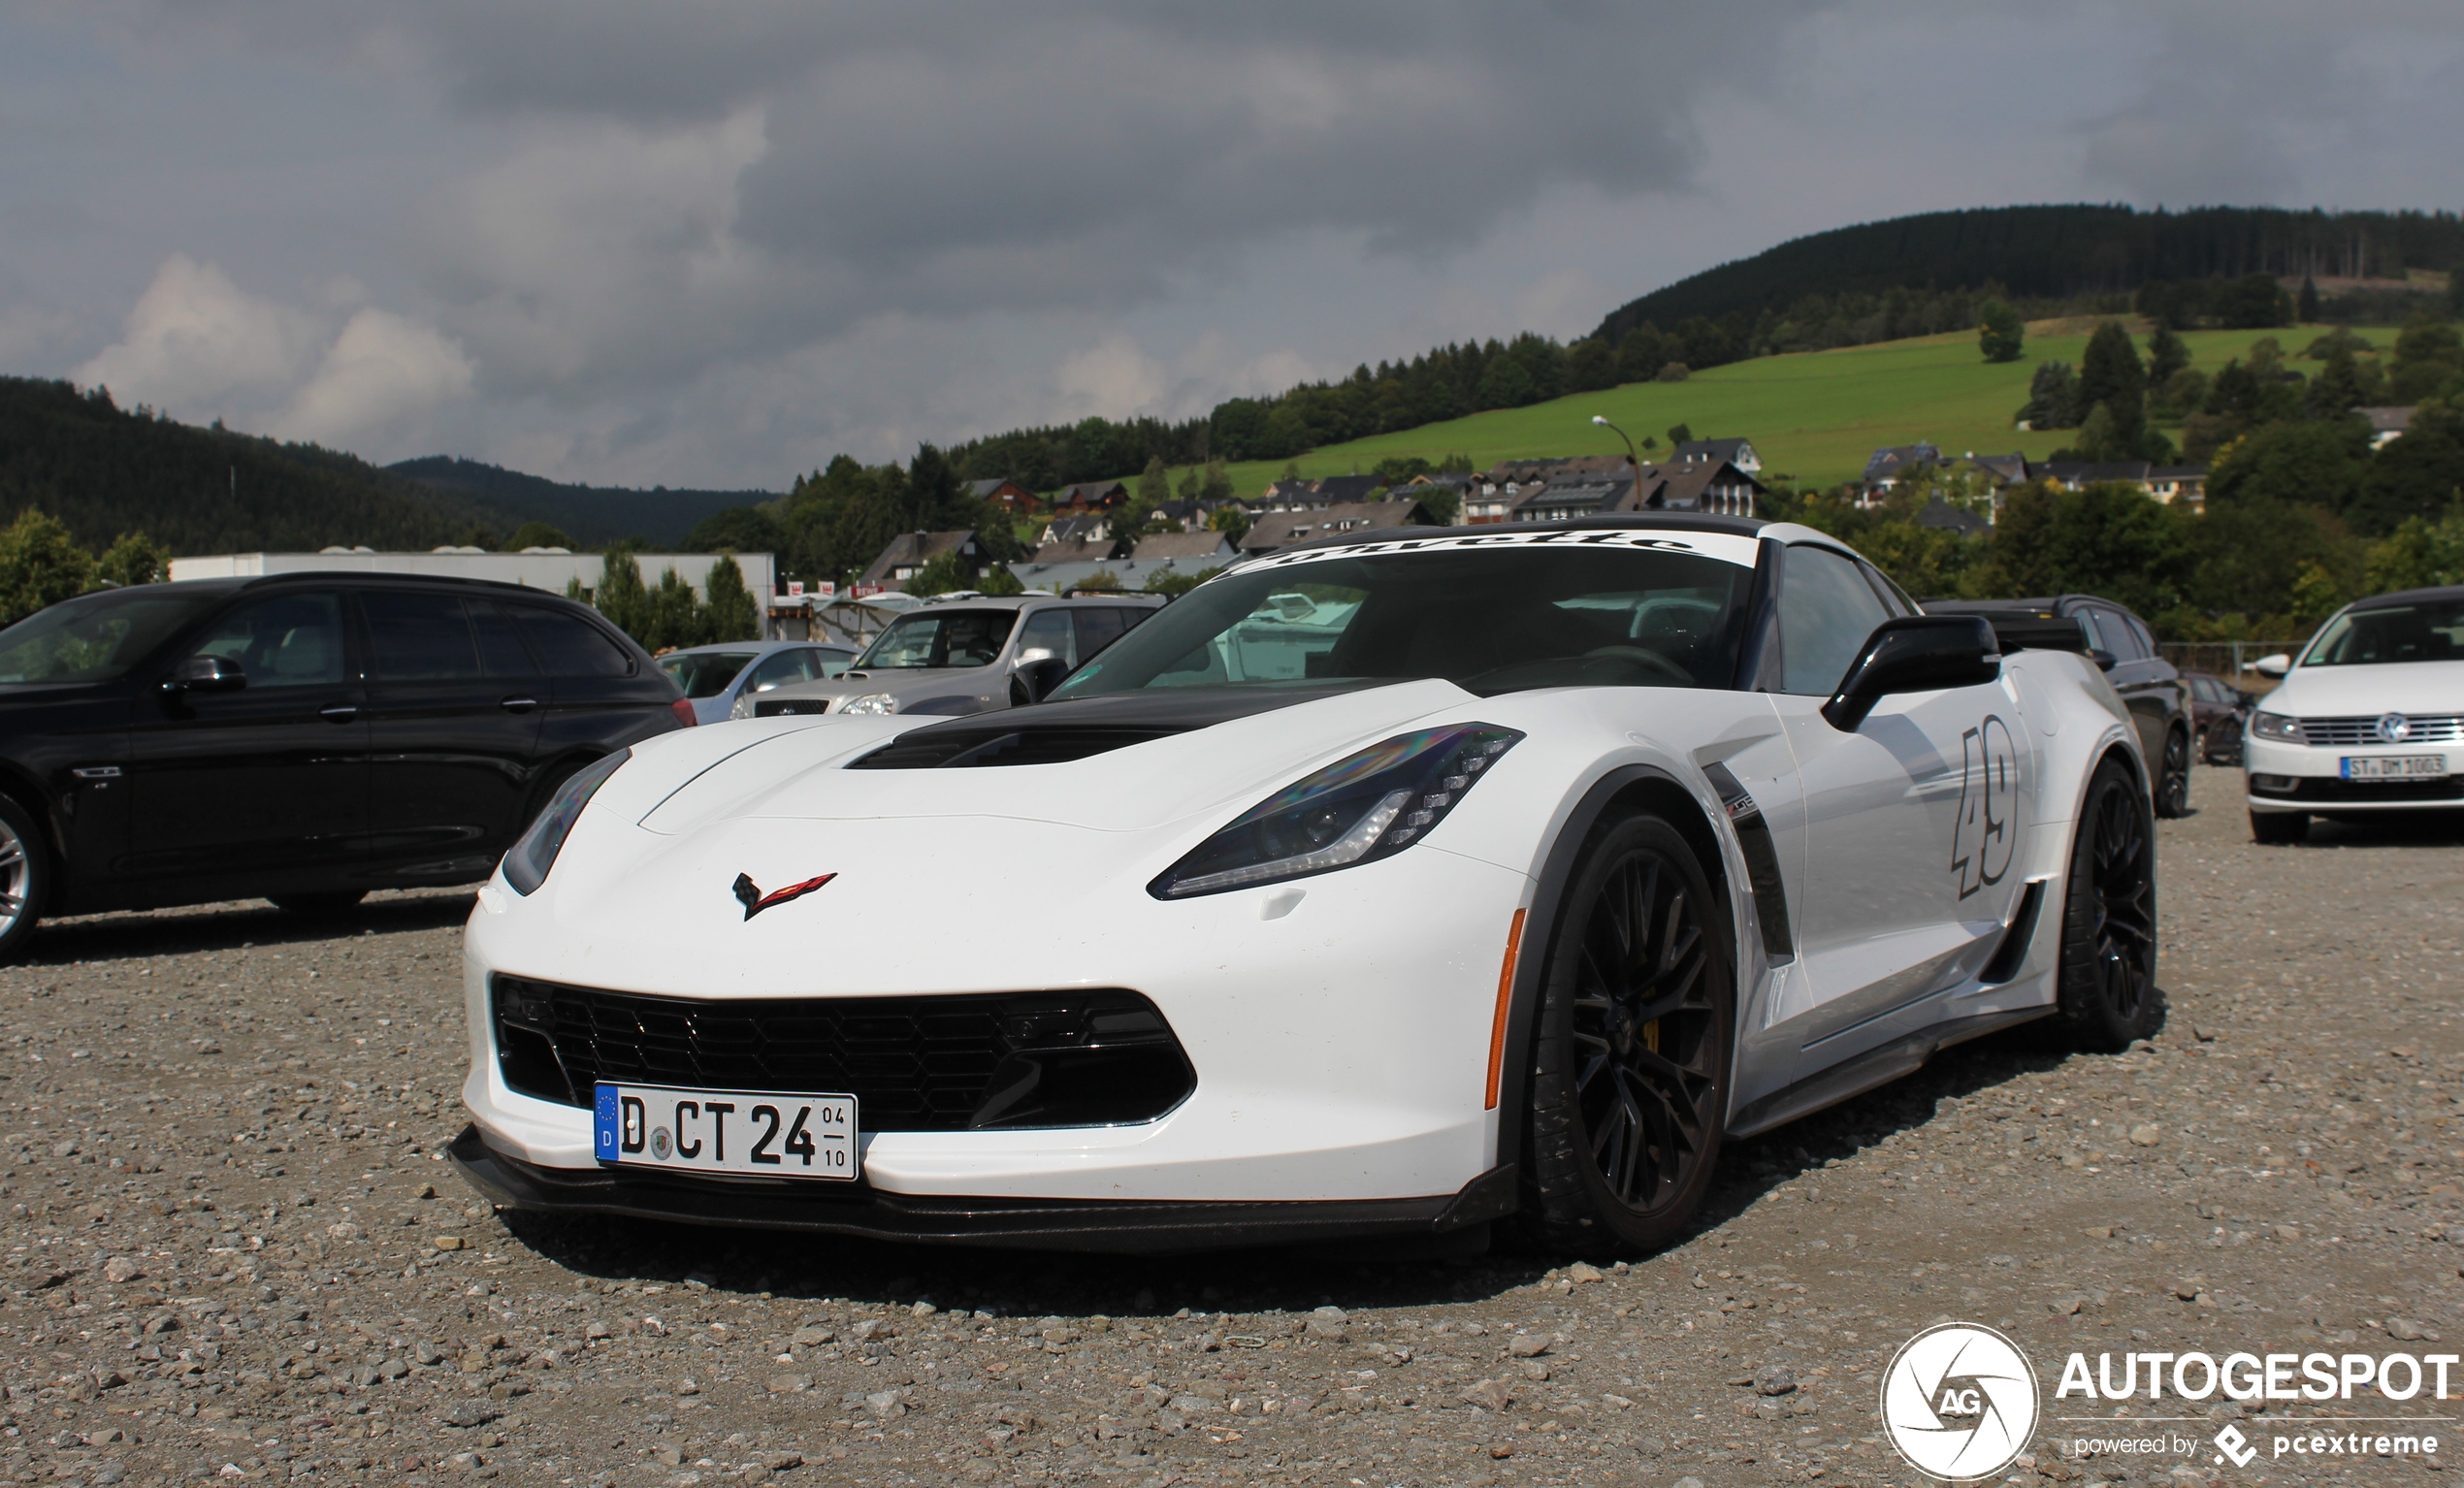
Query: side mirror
pixel 1034 681
pixel 1915 654
pixel 206 674
pixel 2273 666
pixel 1034 653
pixel 2105 660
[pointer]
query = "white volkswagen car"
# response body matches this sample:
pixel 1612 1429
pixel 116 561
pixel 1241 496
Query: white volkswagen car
pixel 2371 719
pixel 1502 883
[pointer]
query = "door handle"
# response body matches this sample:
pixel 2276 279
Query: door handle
pixel 338 713
pixel 518 704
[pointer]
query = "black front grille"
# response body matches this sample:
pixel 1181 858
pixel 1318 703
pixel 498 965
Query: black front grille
pixel 2329 790
pixel 955 1064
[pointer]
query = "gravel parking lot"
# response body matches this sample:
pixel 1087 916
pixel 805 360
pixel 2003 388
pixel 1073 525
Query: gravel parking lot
pixel 231 1254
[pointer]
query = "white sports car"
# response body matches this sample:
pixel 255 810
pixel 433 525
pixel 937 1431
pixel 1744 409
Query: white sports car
pixel 1389 886
pixel 2369 721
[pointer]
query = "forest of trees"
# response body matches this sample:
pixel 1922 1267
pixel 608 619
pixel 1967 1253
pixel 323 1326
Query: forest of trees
pixel 2302 513
pixel 2055 254
pixel 102 470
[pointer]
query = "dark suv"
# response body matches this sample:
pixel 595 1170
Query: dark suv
pixel 2160 701
pixel 305 738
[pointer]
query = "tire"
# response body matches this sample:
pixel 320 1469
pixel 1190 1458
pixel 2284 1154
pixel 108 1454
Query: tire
pixel 2279 828
pixel 25 879
pixel 2108 994
pixel 320 906
pixel 1631 1055
pixel 2173 776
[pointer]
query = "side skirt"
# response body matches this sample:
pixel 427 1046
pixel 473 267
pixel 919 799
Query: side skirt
pixel 1874 1067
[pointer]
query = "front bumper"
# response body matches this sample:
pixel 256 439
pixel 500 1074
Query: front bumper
pixel 1140 1227
pixel 2280 776
pixel 1338 1027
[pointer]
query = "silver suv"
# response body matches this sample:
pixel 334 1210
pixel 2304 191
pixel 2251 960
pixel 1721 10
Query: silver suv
pixel 968 654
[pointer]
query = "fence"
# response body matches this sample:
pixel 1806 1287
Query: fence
pixel 2227 659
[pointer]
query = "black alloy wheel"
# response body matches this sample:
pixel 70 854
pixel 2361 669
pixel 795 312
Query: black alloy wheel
pixel 1631 1086
pixel 2108 989
pixel 2173 776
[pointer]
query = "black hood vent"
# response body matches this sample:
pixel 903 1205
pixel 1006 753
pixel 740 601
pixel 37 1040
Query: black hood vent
pixel 1058 732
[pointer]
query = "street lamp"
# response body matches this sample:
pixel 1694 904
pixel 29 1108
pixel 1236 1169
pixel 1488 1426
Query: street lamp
pixel 1632 458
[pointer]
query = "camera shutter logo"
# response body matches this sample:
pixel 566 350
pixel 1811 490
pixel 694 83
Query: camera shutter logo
pixel 1960 1401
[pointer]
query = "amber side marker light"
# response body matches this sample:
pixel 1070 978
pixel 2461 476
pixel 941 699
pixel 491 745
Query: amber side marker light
pixel 1505 997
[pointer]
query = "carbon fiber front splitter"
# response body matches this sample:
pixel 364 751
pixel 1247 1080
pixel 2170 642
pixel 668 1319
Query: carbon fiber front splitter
pixel 1126 1226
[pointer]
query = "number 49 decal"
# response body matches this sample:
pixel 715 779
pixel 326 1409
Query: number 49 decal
pixel 1982 838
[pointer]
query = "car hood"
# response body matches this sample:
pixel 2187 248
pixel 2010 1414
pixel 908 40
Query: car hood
pixel 2342 692
pixel 910 875
pixel 1109 764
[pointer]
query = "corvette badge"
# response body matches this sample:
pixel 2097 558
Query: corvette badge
pixel 749 893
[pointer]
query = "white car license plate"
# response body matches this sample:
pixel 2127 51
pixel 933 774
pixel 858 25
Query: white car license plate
pixel 2395 766
pixel 751 1132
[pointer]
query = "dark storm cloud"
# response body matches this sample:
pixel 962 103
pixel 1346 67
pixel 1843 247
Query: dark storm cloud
pixel 704 243
pixel 945 159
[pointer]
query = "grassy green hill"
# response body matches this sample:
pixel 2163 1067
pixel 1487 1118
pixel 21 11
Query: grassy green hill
pixel 1814 416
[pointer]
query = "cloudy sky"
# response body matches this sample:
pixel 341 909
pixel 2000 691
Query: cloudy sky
pixel 713 244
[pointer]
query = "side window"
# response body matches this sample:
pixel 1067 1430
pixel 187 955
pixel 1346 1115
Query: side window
pixel 1049 631
pixel 1826 611
pixel 2123 638
pixel 1099 627
pixel 1894 599
pixel 781 669
pixel 2146 640
pixel 293 641
pixel 501 653
pixel 570 646
pixel 2094 633
pixel 416 638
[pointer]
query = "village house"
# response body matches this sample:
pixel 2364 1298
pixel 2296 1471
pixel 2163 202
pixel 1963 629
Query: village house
pixel 1284 529
pixel 1007 495
pixel 908 553
pixel 1716 487
pixel 1736 452
pixel 2386 425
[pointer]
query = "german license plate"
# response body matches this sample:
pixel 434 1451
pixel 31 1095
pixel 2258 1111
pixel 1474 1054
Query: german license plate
pixel 755 1133
pixel 2395 766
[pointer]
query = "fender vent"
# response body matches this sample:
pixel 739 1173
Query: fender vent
pixel 1761 864
pixel 2014 946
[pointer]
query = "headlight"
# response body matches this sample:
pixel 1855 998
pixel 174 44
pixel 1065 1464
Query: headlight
pixel 742 707
pixel 2276 725
pixel 525 866
pixel 870 702
pixel 1365 806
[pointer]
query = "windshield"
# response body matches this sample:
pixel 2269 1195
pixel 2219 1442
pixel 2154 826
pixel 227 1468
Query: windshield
pixel 704 673
pixel 2430 632
pixel 941 638
pixel 95 637
pixel 1490 615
